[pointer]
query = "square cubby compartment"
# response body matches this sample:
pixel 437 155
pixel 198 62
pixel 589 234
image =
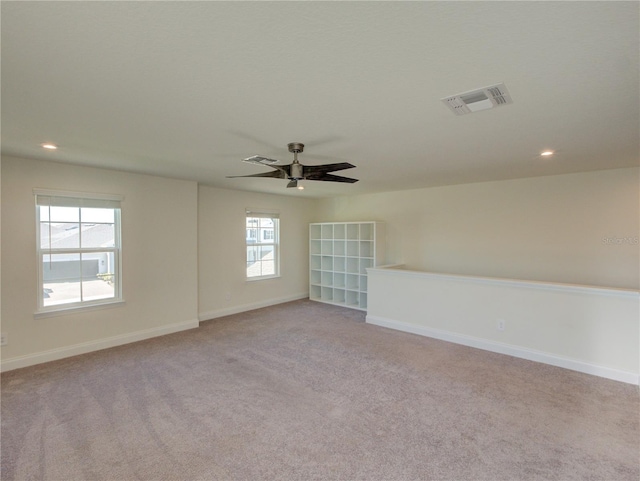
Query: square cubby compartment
pixel 353 282
pixel 352 248
pixel 364 265
pixel 366 248
pixel 353 231
pixel 339 264
pixel 352 298
pixel 315 277
pixel 315 231
pixel 315 262
pixel 366 231
pixel 353 265
pixel 315 292
pixel 327 294
pixel 314 247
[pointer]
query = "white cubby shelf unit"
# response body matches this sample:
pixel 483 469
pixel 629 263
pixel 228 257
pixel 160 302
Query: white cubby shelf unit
pixel 339 255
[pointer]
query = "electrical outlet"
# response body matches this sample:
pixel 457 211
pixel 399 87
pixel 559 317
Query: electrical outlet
pixel 3 339
pixel 500 325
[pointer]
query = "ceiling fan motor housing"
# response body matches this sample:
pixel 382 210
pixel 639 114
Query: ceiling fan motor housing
pixel 295 147
pixel 296 171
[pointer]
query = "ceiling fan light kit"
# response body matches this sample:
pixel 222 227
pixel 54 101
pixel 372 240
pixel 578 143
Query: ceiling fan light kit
pixel 296 171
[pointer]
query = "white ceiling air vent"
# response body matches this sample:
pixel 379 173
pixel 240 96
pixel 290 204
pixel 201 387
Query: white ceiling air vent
pixel 480 99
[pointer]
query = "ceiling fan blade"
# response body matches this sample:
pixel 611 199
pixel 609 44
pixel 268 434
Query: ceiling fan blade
pixel 278 174
pixel 284 170
pixel 330 178
pixel 260 160
pixel 293 183
pixel 323 169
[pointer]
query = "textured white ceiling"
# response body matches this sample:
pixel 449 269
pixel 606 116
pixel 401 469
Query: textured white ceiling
pixel 187 89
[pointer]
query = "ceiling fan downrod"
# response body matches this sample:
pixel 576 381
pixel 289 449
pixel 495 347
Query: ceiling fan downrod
pixel 296 169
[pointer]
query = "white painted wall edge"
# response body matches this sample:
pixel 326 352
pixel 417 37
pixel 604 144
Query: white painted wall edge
pixel 392 270
pixel 91 346
pixel 508 349
pixel 206 316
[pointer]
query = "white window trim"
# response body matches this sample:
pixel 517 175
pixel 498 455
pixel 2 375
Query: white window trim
pixel 65 309
pixel 267 214
pixel 68 308
pixel 78 195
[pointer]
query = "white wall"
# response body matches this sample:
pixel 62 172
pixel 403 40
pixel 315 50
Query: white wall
pixel 592 330
pixel 546 228
pixel 159 255
pixel 223 288
pixel 183 245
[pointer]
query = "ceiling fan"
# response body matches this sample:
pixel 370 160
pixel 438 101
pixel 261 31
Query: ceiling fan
pixel 296 171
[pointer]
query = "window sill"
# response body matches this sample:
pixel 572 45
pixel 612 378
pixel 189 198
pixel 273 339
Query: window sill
pixel 262 278
pixel 53 312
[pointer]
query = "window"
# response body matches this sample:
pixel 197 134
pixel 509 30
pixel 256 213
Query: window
pixel 252 235
pixel 78 241
pixel 262 234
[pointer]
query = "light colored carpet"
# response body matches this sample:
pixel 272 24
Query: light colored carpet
pixel 308 391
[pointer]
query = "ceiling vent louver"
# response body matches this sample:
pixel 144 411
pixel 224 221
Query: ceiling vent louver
pixel 480 99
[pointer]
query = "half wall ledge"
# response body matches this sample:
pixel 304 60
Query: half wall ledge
pixel 594 330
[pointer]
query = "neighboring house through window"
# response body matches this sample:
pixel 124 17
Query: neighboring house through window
pixel 79 254
pixel 262 242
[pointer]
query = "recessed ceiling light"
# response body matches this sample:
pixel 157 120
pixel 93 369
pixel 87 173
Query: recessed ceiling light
pixel 48 145
pixel 547 153
pixel 301 187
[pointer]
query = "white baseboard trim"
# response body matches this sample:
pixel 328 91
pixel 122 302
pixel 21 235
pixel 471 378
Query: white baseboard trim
pixel 206 316
pixel 510 350
pixel 85 347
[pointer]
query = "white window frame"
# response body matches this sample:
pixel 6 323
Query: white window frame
pixel 258 241
pixel 78 199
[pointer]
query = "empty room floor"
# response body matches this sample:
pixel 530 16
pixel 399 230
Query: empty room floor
pixel 309 391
